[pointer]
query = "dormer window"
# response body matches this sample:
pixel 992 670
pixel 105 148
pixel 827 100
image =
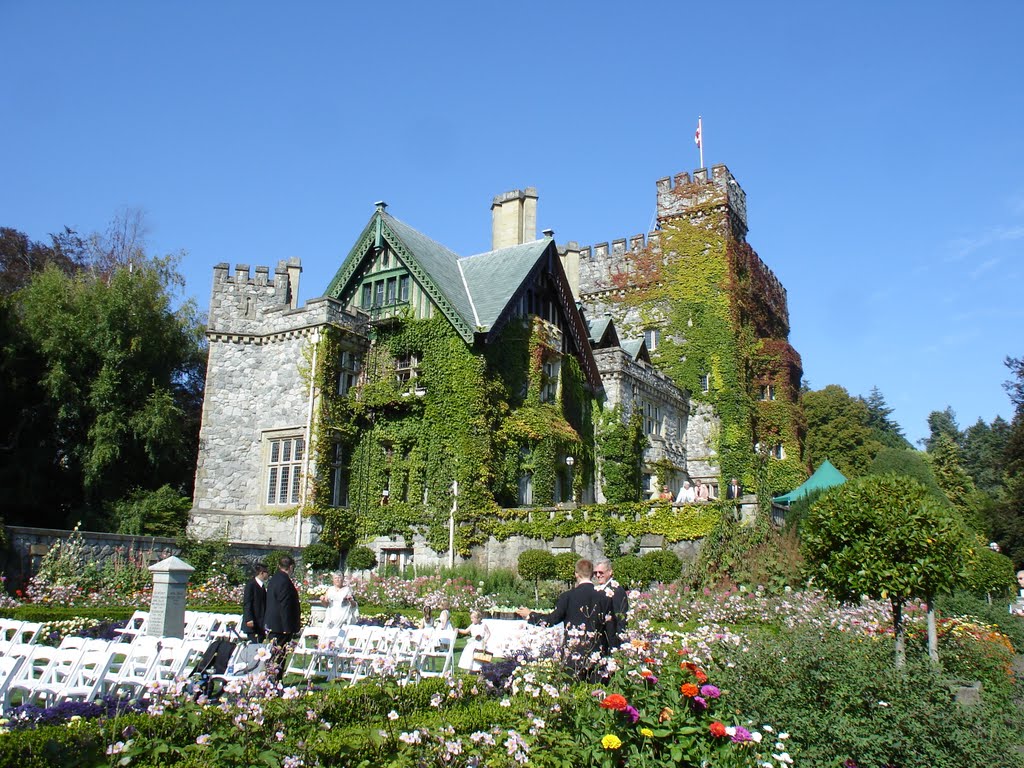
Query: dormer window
pixel 652 336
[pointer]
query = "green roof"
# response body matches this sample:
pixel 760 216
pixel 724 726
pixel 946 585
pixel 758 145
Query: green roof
pixel 494 277
pixel 825 476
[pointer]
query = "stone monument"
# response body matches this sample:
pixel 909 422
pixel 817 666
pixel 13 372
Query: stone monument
pixel 167 610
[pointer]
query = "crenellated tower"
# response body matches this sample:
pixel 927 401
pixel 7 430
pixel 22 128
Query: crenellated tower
pixel 716 320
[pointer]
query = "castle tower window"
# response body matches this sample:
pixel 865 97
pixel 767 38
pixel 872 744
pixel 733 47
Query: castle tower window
pixel 778 451
pixel 348 371
pixel 403 288
pixel 652 337
pixel 705 382
pixel 339 476
pixel 284 470
pixel 367 296
pixel 767 391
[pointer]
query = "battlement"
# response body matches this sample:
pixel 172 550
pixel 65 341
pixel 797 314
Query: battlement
pixel 694 197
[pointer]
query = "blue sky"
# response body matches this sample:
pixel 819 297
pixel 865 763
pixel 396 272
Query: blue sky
pixel 880 146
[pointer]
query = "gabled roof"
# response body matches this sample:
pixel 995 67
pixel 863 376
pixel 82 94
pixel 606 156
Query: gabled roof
pixel 475 293
pixel 603 333
pixel 494 277
pixel 637 349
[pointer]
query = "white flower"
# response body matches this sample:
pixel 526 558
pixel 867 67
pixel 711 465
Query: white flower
pixel 506 703
pixel 783 757
pixel 392 715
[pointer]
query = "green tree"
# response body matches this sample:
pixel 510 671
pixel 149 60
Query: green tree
pixel 942 423
pixel 888 538
pixel 907 462
pixel 1008 516
pixel 361 559
pixel 983 454
pixel 886 430
pixel 534 565
pixel 838 430
pixel 121 375
pixel 954 482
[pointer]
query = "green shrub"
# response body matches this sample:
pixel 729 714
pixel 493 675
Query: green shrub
pixel 320 557
pixel 361 558
pixel 210 558
pixel 840 698
pixel 990 575
pixel 273 559
pixel 565 566
pixel 163 512
pixel 631 571
pixel 535 564
pixel 663 566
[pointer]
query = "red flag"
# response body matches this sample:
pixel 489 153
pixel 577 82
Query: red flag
pixel 696 135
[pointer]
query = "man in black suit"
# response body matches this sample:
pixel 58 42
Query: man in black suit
pixel 587 615
pixel 283 615
pixel 733 491
pixel 254 605
pixel 620 601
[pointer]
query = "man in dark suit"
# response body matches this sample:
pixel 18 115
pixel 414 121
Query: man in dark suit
pixel 620 600
pixel 587 615
pixel 733 491
pixel 283 615
pixel 254 605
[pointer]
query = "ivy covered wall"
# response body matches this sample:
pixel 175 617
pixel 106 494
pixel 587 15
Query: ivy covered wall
pixel 483 417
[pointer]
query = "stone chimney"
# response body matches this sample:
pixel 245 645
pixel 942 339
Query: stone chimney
pixel 294 270
pixel 514 218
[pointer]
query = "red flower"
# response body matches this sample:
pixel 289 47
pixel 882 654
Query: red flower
pixel 717 730
pixel 689 689
pixel 697 671
pixel 615 701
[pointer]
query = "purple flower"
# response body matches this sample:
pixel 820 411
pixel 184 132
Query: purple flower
pixel 699 703
pixel 631 713
pixel 710 692
pixel 742 735
pixel 849 763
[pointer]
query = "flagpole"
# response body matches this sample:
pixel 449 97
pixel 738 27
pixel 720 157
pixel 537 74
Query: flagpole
pixel 700 145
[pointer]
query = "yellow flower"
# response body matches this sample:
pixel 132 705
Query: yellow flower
pixel 646 732
pixel 611 741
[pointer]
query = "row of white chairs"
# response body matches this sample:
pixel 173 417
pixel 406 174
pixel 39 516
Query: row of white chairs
pixel 86 669
pixel 352 652
pixel 14 631
pixel 199 625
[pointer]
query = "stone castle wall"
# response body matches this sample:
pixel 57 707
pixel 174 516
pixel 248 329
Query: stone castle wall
pixel 257 386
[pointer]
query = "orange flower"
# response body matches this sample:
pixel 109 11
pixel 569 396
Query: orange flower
pixel 689 689
pixel 665 714
pixel 697 671
pixel 717 730
pixel 615 701
pixel 644 644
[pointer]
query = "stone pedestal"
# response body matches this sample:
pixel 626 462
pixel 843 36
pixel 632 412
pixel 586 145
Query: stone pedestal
pixel 167 611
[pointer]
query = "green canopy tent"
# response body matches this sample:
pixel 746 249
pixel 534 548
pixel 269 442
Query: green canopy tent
pixel 824 477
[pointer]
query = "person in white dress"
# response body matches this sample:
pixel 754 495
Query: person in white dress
pixel 479 634
pixel 341 603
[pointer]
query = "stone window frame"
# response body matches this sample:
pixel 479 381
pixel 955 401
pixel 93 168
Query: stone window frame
pixel 348 373
pixel 286 440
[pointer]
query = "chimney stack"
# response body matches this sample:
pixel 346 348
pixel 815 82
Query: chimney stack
pixel 514 218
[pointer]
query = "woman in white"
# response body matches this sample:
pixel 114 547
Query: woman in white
pixel 479 634
pixel 341 604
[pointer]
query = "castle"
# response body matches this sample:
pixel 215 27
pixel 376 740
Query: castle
pixel 430 392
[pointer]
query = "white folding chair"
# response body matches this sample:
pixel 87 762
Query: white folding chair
pixel 313 653
pixel 33 671
pixel 28 632
pixel 9 666
pixel 135 627
pixel 9 630
pixel 436 653
pixel 129 672
pixel 203 627
pixel 86 682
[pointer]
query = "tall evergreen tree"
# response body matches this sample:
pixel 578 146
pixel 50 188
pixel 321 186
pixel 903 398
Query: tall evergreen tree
pixel 887 431
pixel 984 454
pixel 942 423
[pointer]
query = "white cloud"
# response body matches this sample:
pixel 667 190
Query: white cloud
pixel 965 246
